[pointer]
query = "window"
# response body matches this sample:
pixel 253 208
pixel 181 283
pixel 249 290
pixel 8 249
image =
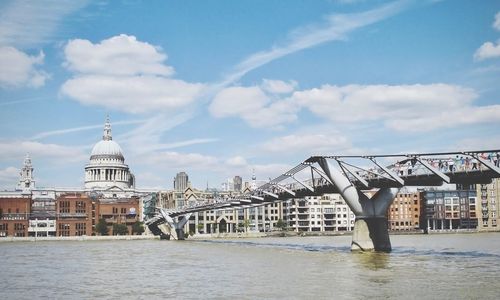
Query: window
pixel 81 229
pixel 63 207
pixel 64 229
pixel 124 210
pixel 80 207
pixel 115 210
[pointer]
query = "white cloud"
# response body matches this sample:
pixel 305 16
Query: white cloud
pixel 254 106
pixel 236 101
pixel 401 107
pixel 236 161
pixel 279 86
pixel 133 94
pixel 57 153
pixel 30 23
pixel 176 160
pixel 496 23
pixel 311 143
pixel 19 69
pixel 487 50
pixel 9 177
pixel 118 55
pixel 122 73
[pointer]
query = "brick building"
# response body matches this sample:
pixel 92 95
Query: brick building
pixel 405 212
pixel 14 214
pixel 119 211
pixel 75 214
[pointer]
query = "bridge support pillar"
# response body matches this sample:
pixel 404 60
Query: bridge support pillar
pixel 370 227
pixel 177 225
pixel 371 234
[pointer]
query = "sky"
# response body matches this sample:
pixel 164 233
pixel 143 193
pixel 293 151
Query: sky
pixel 224 88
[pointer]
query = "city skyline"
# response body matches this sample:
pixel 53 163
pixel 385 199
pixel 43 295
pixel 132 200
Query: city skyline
pixel 217 89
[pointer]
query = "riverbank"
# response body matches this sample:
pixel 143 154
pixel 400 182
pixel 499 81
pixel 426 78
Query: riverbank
pixel 79 238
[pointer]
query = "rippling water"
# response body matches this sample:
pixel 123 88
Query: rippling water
pixel 455 266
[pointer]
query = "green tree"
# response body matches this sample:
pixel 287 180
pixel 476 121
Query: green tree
pixel 281 224
pixel 101 227
pixel 200 227
pixel 246 224
pixel 138 228
pixel 120 229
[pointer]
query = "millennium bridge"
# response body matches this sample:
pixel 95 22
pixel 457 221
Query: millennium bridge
pixel 350 175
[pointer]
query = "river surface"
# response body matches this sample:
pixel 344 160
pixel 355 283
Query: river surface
pixel 441 266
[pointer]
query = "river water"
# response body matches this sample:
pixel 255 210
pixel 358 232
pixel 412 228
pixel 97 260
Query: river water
pixel 451 266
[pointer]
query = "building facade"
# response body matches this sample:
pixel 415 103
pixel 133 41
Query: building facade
pixel 405 212
pixel 329 212
pixel 181 182
pixel 107 168
pixel 454 209
pixel 488 206
pixel 14 214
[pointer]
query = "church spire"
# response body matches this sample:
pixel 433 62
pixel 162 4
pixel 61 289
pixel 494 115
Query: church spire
pixel 107 130
pixel 26 181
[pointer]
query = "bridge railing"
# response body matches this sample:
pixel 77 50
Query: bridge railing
pixel 361 171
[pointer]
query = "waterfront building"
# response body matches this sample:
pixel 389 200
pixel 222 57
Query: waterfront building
pixel 487 205
pixel 14 213
pixel 454 209
pixel 123 211
pixel 42 221
pixel 405 212
pixel 319 213
pixel 76 214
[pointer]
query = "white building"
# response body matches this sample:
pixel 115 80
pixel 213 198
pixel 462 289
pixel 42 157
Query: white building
pixel 107 166
pixel 319 213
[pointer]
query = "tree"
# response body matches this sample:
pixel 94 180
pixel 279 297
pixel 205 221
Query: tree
pixel 120 229
pixel 200 227
pixel 101 227
pixel 246 224
pixel 281 224
pixel 138 228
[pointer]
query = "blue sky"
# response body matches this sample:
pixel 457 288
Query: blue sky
pixel 219 88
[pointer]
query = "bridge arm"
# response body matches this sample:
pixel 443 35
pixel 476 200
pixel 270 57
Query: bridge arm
pixel 424 163
pixel 486 163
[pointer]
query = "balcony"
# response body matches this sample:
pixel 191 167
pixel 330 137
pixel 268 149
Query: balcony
pixel 21 216
pixel 72 215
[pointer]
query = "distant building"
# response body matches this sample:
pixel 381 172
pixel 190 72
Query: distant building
pixel 405 212
pixel 488 205
pixel 26 181
pixel 446 210
pixel 181 181
pixel 238 183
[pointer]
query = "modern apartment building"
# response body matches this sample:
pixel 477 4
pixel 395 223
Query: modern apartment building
pixel 454 209
pixel 320 213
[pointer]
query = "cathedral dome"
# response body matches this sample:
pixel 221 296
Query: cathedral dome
pixel 107 166
pixel 108 148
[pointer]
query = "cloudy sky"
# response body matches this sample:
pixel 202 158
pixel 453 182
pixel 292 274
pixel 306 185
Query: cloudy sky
pixel 219 88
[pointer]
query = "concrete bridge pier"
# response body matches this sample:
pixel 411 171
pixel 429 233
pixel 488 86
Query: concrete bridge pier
pixel 370 227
